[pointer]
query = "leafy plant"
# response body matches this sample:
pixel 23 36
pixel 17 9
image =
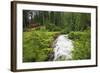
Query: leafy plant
pixel 36 45
pixel 82 43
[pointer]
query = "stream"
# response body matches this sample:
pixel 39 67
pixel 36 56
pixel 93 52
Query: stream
pixel 62 48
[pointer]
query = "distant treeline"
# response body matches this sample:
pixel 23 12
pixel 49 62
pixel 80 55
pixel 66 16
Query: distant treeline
pixel 57 21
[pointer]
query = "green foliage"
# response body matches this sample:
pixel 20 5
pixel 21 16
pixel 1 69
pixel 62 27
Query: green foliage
pixel 53 27
pixel 65 31
pixel 76 35
pixel 36 45
pixel 82 43
pixel 57 21
pixel 47 26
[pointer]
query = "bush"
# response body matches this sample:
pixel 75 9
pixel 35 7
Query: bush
pixel 82 43
pixel 76 35
pixel 65 31
pixel 36 45
pixel 53 27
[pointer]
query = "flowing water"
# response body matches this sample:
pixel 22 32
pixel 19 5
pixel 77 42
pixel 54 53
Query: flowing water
pixel 62 48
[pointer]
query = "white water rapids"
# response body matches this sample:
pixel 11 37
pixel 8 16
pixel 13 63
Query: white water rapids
pixel 62 48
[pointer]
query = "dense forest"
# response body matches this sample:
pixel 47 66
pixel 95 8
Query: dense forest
pixel 41 28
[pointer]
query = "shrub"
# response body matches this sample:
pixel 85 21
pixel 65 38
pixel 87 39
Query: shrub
pixel 82 43
pixel 36 45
